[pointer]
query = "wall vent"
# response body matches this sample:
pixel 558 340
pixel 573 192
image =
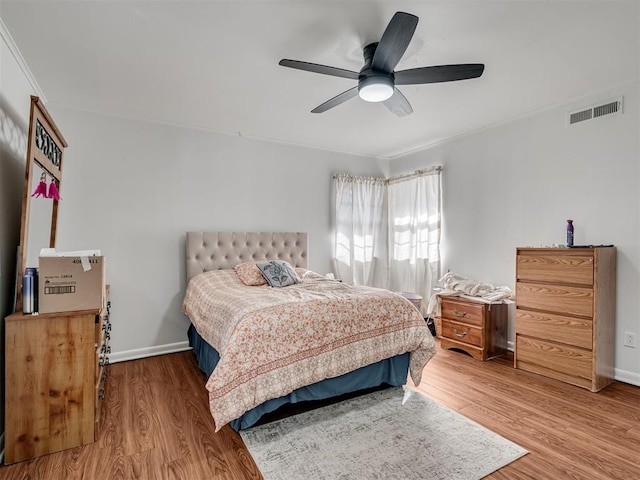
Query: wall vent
pixel 595 111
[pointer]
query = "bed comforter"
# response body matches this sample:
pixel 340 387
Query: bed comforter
pixel 272 341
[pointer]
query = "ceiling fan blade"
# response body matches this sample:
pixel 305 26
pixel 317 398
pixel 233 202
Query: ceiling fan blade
pixel 337 100
pixel 440 73
pixel 316 68
pixel 398 104
pixel 394 42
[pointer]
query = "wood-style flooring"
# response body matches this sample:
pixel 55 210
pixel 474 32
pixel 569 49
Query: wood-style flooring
pixel 157 425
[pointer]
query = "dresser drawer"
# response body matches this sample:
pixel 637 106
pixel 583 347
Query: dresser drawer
pixel 557 328
pixel 460 310
pixel 562 362
pixel 99 323
pixel 555 298
pixel 99 397
pixel 461 332
pixel 563 268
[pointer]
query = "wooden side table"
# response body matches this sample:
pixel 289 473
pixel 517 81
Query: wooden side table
pixel 475 327
pixel 56 369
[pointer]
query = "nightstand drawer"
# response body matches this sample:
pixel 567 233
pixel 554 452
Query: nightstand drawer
pixel 557 328
pixel 462 332
pixel 460 310
pixel 565 268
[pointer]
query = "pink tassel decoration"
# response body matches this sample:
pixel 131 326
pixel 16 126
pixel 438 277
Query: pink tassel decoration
pixel 53 191
pixel 41 189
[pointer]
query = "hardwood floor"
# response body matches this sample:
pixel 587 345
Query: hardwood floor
pixel 157 424
pixel 570 432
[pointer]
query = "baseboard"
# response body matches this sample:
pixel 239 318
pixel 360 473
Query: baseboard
pixel 148 352
pixel 627 377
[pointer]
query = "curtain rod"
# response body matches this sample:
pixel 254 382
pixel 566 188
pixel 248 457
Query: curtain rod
pixel 359 177
pixel 418 173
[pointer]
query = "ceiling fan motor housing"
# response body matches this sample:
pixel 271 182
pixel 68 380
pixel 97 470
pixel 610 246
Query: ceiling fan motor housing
pixel 374 85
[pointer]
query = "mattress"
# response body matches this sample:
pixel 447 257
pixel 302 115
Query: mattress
pixel 391 371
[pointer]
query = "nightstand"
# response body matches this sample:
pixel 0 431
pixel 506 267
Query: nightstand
pixel 475 327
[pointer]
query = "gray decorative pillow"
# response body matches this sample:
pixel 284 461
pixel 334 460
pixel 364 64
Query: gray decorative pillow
pixel 278 273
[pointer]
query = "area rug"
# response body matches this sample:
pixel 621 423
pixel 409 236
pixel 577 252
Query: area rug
pixel 390 434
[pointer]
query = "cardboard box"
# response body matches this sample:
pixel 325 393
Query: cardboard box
pixel 71 283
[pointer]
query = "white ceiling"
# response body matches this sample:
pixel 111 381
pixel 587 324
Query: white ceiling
pixel 214 64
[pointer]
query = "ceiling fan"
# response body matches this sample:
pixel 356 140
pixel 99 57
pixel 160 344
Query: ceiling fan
pixel 377 80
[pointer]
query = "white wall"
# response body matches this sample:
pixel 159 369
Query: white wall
pixel 133 188
pixel 15 90
pixel 517 183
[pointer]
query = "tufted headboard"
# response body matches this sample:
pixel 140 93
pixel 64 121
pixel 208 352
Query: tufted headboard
pixel 216 251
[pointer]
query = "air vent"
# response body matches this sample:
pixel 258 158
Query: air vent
pixel 595 111
pixel 607 109
pixel 580 116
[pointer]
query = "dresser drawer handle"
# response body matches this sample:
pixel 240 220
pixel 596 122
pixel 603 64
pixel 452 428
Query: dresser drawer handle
pixel 459 314
pixel 461 335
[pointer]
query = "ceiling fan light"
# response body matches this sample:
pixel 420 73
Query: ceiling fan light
pixel 375 89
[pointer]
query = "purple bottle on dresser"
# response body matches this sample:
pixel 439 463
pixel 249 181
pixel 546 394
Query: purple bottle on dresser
pixel 569 233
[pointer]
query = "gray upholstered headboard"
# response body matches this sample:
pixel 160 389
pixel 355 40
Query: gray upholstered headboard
pixel 216 251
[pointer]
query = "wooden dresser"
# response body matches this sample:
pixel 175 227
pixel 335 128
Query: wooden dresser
pixel 565 314
pixel 56 369
pixel 478 328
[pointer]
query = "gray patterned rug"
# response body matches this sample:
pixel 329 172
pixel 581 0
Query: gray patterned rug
pixel 376 436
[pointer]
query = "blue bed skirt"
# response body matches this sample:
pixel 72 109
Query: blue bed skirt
pixel 392 371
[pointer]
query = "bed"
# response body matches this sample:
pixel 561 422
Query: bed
pixel 262 347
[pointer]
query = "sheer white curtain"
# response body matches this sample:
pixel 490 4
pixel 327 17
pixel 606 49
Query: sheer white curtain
pixel 361 251
pixel 414 232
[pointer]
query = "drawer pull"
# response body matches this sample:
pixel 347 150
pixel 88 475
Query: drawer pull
pixel 459 314
pixel 458 334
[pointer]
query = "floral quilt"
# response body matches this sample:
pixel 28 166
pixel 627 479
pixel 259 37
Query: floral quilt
pixel 272 341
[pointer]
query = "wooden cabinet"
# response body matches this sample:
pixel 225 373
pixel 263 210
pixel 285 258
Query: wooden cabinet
pixel 478 328
pixel 56 369
pixel 565 314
